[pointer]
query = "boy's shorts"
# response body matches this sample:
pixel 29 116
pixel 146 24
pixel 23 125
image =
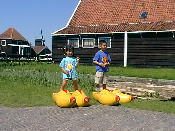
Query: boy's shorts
pixel 101 78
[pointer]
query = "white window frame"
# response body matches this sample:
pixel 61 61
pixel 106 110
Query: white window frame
pixel 3 44
pixel 86 39
pixel 105 37
pixel 78 42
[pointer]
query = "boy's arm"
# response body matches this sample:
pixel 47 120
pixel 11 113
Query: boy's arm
pixel 97 63
pixel 100 64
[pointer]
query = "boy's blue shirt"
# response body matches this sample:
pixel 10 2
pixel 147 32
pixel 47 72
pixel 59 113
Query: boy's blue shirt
pixel 69 65
pixel 102 57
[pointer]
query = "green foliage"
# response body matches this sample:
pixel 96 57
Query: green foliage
pixel 33 77
pixel 84 69
pixel 39 66
pixel 157 73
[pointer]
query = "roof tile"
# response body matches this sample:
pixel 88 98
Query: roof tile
pixel 101 16
pixel 12 33
pixel 38 49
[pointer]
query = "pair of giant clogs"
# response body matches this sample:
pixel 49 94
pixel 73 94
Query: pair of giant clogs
pixel 114 97
pixel 64 98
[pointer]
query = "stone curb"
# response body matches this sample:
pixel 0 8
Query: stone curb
pixel 142 80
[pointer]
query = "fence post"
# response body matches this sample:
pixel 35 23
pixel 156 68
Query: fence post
pixel 125 48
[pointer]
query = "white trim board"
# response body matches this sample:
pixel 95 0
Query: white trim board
pixel 113 32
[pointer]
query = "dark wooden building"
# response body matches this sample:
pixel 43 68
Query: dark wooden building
pixel 14 45
pixel 139 33
pixel 42 51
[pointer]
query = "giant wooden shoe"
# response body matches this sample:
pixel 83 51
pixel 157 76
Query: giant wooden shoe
pixel 124 98
pixel 106 97
pixel 63 98
pixel 81 98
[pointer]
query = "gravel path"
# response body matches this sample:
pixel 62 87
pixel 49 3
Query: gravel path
pixel 93 118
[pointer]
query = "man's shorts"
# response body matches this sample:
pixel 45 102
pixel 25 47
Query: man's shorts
pixel 101 78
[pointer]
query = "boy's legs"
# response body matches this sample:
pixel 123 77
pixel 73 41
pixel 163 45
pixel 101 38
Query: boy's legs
pixel 75 84
pixel 98 80
pixel 98 87
pixel 104 86
pixel 64 83
pixel 104 80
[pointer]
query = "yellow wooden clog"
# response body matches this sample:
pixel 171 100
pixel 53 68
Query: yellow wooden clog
pixel 106 97
pixel 81 98
pixel 124 98
pixel 64 99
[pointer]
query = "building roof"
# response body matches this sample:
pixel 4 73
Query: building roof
pixel 12 33
pixel 38 49
pixel 104 16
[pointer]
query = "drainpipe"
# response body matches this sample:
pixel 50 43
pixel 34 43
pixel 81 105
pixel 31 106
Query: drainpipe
pixel 125 48
pixel 19 50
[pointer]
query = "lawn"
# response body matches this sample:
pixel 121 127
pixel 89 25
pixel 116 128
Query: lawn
pixel 32 84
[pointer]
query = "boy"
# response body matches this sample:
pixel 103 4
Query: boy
pixel 102 60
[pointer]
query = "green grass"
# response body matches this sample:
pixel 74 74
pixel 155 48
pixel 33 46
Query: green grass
pixel 156 73
pixel 32 84
pixel 20 94
pixel 160 106
pixel 20 88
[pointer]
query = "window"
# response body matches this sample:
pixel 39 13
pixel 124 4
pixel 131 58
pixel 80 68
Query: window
pixel 107 39
pixel 3 42
pixel 88 42
pixel 143 15
pixel 74 42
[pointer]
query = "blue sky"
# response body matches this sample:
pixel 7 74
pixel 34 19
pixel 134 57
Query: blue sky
pixel 28 17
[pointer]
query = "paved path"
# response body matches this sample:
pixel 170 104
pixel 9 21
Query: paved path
pixel 93 118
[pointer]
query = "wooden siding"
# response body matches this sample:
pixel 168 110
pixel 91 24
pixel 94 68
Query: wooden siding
pixel 142 51
pixel 151 52
pixel 86 54
pixel 9 51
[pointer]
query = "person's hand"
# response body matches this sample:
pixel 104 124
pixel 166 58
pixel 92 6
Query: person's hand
pixel 107 64
pixel 67 73
pixel 102 65
pixel 78 59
